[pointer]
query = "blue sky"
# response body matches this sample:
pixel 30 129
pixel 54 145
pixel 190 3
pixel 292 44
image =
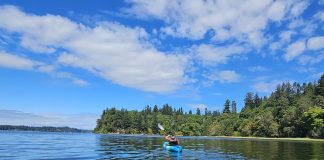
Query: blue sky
pixel 78 58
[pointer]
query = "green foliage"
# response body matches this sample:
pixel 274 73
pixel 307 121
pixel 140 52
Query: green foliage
pixel 314 121
pixel 227 106
pixel 290 111
pixel 234 107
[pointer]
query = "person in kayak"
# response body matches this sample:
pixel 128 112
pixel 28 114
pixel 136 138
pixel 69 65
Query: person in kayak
pixel 172 139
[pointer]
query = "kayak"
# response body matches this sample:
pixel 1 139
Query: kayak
pixel 175 148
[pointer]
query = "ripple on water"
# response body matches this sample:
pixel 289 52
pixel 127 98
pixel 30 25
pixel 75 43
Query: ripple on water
pixel 42 145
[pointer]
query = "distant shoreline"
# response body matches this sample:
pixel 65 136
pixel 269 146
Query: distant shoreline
pixel 223 137
pixel 42 129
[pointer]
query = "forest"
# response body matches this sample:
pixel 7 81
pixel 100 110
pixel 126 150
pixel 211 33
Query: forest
pixel 40 129
pixel 291 110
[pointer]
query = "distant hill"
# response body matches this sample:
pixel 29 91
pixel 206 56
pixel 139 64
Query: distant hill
pixel 42 129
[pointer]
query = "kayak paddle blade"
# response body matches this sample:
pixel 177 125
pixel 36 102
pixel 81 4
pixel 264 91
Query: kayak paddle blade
pixel 161 127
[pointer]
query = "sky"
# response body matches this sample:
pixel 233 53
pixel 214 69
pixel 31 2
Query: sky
pixel 62 61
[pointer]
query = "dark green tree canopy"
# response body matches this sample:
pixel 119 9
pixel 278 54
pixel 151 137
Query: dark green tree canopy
pixel 295 110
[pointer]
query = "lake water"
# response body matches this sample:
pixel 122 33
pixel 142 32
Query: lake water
pixel 43 145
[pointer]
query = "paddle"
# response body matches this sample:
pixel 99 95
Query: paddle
pixel 160 126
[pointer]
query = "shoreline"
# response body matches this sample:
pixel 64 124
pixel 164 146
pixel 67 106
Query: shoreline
pixel 272 138
pixel 226 137
pixel 305 139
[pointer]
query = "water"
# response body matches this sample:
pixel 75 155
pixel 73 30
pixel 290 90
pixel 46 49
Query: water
pixel 43 145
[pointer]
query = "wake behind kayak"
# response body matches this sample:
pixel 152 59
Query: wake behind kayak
pixel 175 148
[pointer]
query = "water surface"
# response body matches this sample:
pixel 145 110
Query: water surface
pixel 44 145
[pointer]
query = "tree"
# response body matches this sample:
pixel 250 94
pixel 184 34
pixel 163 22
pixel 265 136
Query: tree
pixel 216 113
pixel 198 112
pixel 155 128
pixel 290 111
pixel 314 121
pixel 319 89
pixel 248 100
pixel 227 106
pixel 234 107
pixel 155 109
pixel 148 109
pixel 257 101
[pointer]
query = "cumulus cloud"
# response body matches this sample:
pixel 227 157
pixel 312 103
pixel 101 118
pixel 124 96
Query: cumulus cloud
pixel 285 36
pixel 319 15
pixel 14 61
pixel 267 86
pixel 298 8
pixel 226 76
pixel 120 54
pixel 295 49
pixel 257 69
pixel 213 55
pixel 315 43
pixel 15 117
pixel 200 106
pixel 311 59
pixel 229 19
pixel 9 60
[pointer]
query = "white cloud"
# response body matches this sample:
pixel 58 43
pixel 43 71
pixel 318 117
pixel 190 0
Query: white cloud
pixel 305 69
pixel 267 87
pixel 315 43
pixel 311 59
pixel 274 46
pixel 264 87
pixel 229 19
pixel 17 62
pixel 38 33
pixel 285 36
pixel 257 69
pixel 294 50
pixel 115 52
pixel 81 121
pixel 200 106
pixel 277 10
pixel 316 76
pixel 226 76
pixel 320 15
pixel 295 23
pixel 212 55
pixel 299 7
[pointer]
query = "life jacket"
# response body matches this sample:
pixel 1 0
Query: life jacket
pixel 173 140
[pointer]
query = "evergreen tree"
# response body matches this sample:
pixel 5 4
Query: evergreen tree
pixel 290 111
pixel 155 128
pixel 227 106
pixel 198 112
pixel 155 109
pixel 248 100
pixel 319 89
pixel 216 113
pixel 148 109
pixel 257 101
pixel 234 107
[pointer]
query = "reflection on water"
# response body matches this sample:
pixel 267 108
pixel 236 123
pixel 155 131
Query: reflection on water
pixel 40 145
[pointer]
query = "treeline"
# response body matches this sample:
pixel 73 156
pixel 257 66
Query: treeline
pixel 41 129
pixel 292 110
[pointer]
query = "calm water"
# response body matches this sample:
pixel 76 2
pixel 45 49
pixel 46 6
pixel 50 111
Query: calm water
pixel 40 145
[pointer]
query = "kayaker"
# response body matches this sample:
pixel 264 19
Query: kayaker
pixel 172 139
